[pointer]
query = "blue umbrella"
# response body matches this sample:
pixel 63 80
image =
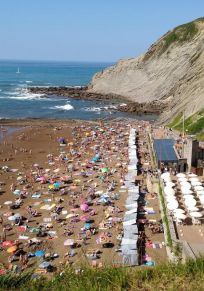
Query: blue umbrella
pixel 44 265
pixel 39 253
pixel 56 184
pixel 87 225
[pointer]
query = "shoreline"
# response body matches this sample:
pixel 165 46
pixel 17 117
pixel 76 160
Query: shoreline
pixel 82 93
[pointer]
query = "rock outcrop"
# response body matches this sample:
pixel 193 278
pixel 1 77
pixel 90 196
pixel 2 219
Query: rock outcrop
pixel 171 71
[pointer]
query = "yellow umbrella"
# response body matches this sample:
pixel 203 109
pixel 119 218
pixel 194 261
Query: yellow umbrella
pixel 12 249
pixel 51 187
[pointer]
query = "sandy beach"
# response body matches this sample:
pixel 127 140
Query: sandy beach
pixel 63 195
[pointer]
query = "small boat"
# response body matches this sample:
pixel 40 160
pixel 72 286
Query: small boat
pixel 18 71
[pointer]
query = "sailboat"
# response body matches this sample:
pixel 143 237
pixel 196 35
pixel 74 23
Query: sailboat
pixel 18 71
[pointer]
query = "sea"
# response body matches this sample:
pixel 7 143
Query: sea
pixel 16 102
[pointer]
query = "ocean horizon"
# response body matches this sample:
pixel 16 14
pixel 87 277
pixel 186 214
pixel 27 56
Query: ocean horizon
pixel 16 102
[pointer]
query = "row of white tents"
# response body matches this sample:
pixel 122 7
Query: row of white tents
pixel 130 229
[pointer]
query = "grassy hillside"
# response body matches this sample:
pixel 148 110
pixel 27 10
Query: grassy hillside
pixel 189 276
pixel 193 124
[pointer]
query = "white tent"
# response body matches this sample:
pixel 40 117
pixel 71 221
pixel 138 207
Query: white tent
pixel 179 175
pixel 180 215
pixel 196 183
pixel 194 179
pixel 179 210
pixel 169 191
pixel 182 179
pixel 187 191
pixel 198 188
pixel 196 214
pixel 191 202
pixel 192 208
pixel 192 175
pixel 170 184
pixel 172 206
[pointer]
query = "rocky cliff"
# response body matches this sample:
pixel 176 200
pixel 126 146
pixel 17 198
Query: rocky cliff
pixel 172 71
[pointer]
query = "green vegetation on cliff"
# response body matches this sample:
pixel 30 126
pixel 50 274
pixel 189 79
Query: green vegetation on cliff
pixel 193 124
pixel 188 276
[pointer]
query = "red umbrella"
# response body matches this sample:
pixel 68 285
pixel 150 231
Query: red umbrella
pixel 84 207
pixel 85 218
pixel 7 243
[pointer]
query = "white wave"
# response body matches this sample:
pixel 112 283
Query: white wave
pixel 29 81
pixel 92 109
pixel 29 97
pixel 123 104
pixel 63 107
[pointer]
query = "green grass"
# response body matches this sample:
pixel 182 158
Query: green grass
pixel 189 276
pixel 193 124
pixel 180 34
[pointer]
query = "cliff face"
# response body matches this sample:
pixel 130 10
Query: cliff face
pixel 172 70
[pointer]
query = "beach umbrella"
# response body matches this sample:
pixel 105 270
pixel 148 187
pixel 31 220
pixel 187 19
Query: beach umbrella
pixel 65 178
pixel 21 228
pixel 165 175
pixel 186 191
pixel 194 179
pixel 84 207
pixel 178 210
pixel 191 202
pixel 192 208
pixel 36 165
pixel 17 192
pixel 180 215
pixel 51 187
pixel 44 265
pixel 182 179
pixel 196 214
pixel 85 218
pixel 7 243
pixel 12 249
pixel 104 170
pixel 196 183
pixel 170 184
pixel 56 185
pixel 179 175
pixel 168 190
pixel 173 205
pixel 200 192
pixel 40 253
pixel 12 218
pixel 198 188
pixel 19 178
pixel 192 175
pixel 69 242
pixel 87 225
pixel 185 184
pixel 17 215
pixel 8 202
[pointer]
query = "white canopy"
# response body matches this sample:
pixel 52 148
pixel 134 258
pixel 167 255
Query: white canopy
pixel 179 210
pixel 185 188
pixel 196 183
pixel 165 175
pixel 191 202
pixel 187 192
pixel 182 179
pixel 198 188
pixel 170 184
pixel 180 215
pixel 200 192
pixel 172 206
pixel 185 184
pixel 192 208
pixel 179 175
pixel 168 190
pixel 196 214
pixel 194 179
pixel 192 175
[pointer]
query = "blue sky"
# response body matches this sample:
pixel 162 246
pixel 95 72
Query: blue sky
pixel 88 30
